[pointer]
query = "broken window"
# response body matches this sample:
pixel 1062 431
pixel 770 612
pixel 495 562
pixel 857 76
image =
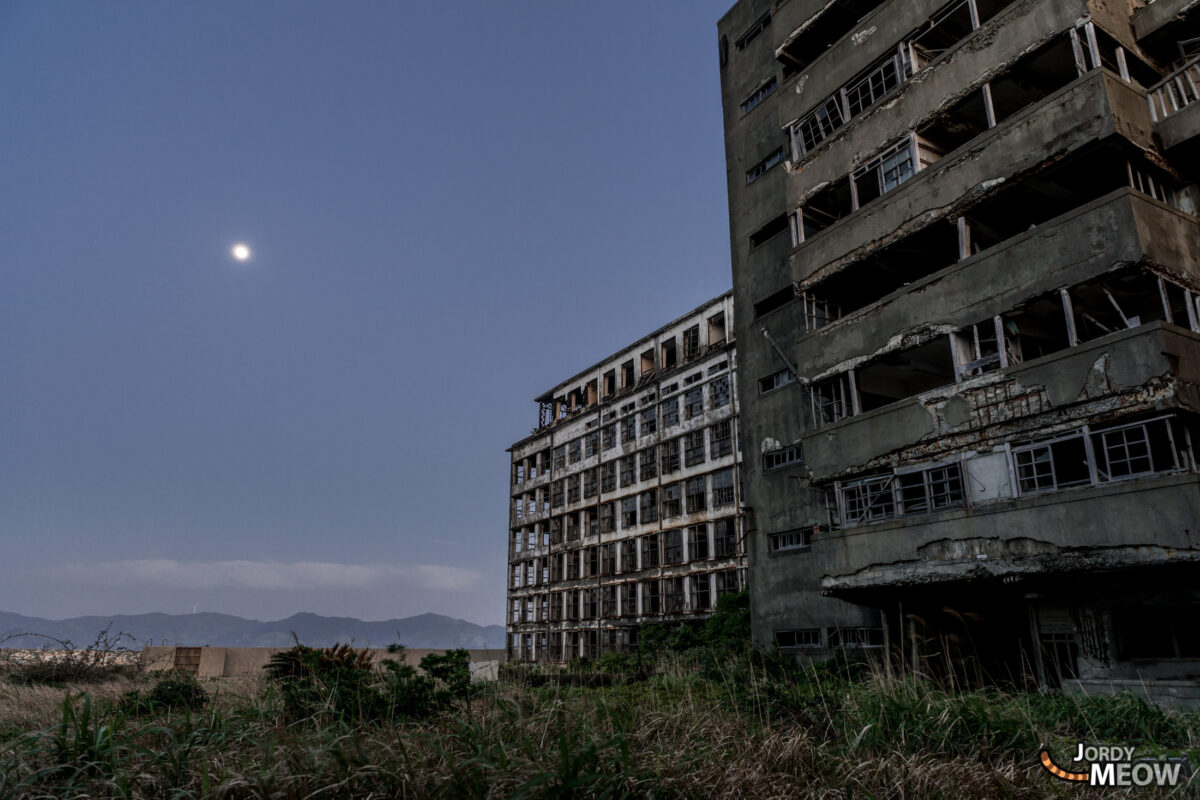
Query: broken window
pixel 589 483
pixel 629 556
pixel 672 503
pixel 691 343
pixel 1052 465
pixel 610 383
pixel 649 422
pixel 697 496
pixel 650 551
pixel 629 430
pixel 694 448
pixel 673 547
pixel 609 437
pixel 693 403
pixel 753 31
pixel 648 463
pixel 816 126
pixel 800 637
pixel 854 637
pixel 629 606
pixel 669 356
pixel 830 400
pixel 670 412
pixel 574 565
pixel 765 90
pixel 763 167
pixel 591 445
pixel 719 391
pixel 728 583
pixel 651 600
pixel 776 380
pixel 722 488
pixel 791 541
pixel 608 601
pixel 572 527
pixel 698 542
pixel 716 330
pixel 776 300
pixel 778 459
pixel 627 378
pixel 518 542
pixel 867 500
pixel 977 349
pixel 875 82
pixel 608 476
pixel 768 231
pixel 1037 328
pixel 649 506
pixel 960 123
pixel 560 457
pixel 890 168
pixel 628 471
pixel 556 531
pixel 519 473
pixel 670 456
pixel 574 451
pixel 701 593
pixel 721 439
pixel 572 489
pixel 673 596
pixel 930 489
pixel 725 538
pixel 608 514
pixel 1034 78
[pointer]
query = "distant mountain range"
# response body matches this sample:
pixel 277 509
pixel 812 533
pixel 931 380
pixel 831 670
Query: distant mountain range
pixel 224 630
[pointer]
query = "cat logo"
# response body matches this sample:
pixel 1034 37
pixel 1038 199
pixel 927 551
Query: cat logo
pixel 1114 765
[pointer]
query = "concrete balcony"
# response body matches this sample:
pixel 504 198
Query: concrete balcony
pixel 1149 20
pixel 1093 108
pixel 1140 523
pixel 1155 366
pixel 1121 228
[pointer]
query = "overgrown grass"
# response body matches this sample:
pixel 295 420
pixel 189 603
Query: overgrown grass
pixel 697 727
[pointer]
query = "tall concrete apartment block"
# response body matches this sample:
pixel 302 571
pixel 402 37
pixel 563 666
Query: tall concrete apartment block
pixel 966 268
pixel 626 498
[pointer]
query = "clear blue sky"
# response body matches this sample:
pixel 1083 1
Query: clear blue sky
pixel 452 207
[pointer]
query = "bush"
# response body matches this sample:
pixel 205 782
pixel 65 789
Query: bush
pixel 174 691
pixel 60 661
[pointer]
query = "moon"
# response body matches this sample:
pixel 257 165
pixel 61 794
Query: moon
pixel 241 252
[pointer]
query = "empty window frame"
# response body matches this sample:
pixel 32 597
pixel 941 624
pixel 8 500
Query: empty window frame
pixel 723 488
pixel 725 539
pixel 831 400
pixel 791 541
pixel 629 513
pixel 589 483
pixel 753 31
pixel 575 451
pixel 629 429
pixel 693 452
pixel 721 439
pixel 728 582
pixel 670 412
pixel 672 501
pixel 608 517
pixel 894 165
pixel 1104 455
pixel 816 126
pixel 696 495
pixel 648 463
pixel 628 471
pixel 776 380
pixel 608 476
pixel 818 313
pixel 701 598
pixel 649 421
pixel 716 330
pixel 693 403
pixel 764 90
pixel 799 637
pixel 650 506
pixel 670 357
pixel 629 562
pixel 876 81
pixel 854 637
pixel 673 547
pixel 718 390
pixel 650 551
pixel 669 457
pixel 573 489
pixel 978 349
pixel 763 167
pixel 629 603
pixel 698 549
pixel 866 500
pixel 560 457
pixel 769 231
pixel 779 459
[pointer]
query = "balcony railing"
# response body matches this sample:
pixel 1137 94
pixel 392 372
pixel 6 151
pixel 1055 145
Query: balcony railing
pixel 1178 91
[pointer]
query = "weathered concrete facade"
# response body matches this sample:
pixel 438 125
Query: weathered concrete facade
pixel 626 499
pixel 966 264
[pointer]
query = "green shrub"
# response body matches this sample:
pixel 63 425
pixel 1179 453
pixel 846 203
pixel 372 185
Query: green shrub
pixel 173 691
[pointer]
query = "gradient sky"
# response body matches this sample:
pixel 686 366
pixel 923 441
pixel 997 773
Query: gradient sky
pixel 452 207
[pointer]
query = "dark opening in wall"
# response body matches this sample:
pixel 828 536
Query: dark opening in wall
pixel 769 231
pixel 777 300
pixel 958 125
pixel 1034 77
pixel 1037 328
pixel 897 376
pixel 824 30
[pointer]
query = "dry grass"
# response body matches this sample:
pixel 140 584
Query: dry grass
pixel 733 735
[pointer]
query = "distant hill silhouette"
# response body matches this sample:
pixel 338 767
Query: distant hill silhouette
pixel 224 630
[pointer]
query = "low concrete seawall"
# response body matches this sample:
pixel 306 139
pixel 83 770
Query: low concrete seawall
pixel 217 662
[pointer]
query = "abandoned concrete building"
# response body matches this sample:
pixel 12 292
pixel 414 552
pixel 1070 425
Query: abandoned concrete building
pixel 966 267
pixel 626 498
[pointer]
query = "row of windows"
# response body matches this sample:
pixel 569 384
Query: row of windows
pixel 634 599
pixel 696 543
pixel 834 637
pixel 667 458
pixel 1084 457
